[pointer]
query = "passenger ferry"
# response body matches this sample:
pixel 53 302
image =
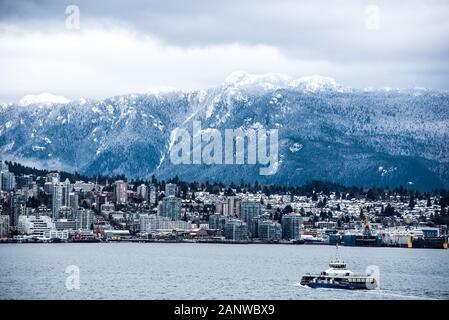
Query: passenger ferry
pixel 339 277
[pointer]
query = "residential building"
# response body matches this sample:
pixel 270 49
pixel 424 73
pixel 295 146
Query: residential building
pixel 35 226
pixel 121 192
pixel 269 230
pixel 152 194
pixel 74 200
pixel 170 190
pixel 56 200
pixel 84 219
pixel 171 208
pixel 236 230
pixel 249 209
pixel 17 208
pixel 217 221
pixel 65 224
pixel 291 226
pixel 8 181
pixel 4 226
pixel 142 192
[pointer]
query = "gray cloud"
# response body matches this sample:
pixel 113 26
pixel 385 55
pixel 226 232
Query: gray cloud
pixel 410 47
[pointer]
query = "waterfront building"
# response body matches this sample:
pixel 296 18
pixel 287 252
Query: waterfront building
pixel 291 226
pixel 121 192
pixel 170 190
pixel 116 234
pixel 249 210
pixel 326 224
pixel 84 219
pixel 144 223
pixel 236 230
pixel 35 226
pixel 56 234
pixel 253 226
pixel 65 224
pixel 171 208
pixel 151 223
pixel 56 200
pixel 4 226
pixel 269 230
pixel 163 223
pixel 430 232
pixel 17 208
pixel 181 225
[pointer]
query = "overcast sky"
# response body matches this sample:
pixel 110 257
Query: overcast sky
pixel 129 46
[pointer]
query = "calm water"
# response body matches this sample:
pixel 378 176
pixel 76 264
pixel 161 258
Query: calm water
pixel 211 271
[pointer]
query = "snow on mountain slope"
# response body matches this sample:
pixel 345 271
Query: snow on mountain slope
pixel 43 98
pixel 345 135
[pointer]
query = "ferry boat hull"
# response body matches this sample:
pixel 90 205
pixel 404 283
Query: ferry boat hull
pixel 345 286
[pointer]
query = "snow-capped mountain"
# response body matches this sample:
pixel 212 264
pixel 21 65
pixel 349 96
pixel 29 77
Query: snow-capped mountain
pixel 43 98
pixel 326 131
pixel 273 81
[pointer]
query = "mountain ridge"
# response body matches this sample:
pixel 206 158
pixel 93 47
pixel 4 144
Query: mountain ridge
pixel 350 136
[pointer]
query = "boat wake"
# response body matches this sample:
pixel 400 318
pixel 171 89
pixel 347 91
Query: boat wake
pixel 381 294
pixel 386 293
pixel 302 286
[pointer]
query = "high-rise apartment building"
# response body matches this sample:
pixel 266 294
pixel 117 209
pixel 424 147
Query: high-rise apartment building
pixel 121 192
pixel 84 219
pixel 142 192
pixel 236 230
pixel 171 208
pixel 249 210
pixel 170 190
pixel 152 194
pixel 291 226
pixel 56 200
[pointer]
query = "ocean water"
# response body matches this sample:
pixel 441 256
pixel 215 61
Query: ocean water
pixel 211 271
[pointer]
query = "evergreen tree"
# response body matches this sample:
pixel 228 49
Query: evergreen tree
pixel 412 202
pixel 389 210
